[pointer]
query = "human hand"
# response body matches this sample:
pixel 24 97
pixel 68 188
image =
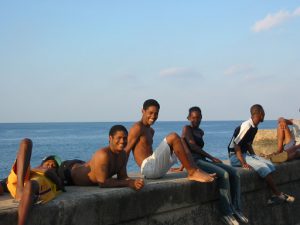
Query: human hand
pixel 246 166
pixel 136 184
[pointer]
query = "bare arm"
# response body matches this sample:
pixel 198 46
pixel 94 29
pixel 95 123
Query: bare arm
pixel 188 137
pixel 239 155
pixel 101 171
pixel 136 184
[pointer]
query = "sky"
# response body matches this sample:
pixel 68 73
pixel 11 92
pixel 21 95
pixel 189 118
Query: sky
pixel 94 61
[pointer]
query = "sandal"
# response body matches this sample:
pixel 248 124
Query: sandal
pixel 278 199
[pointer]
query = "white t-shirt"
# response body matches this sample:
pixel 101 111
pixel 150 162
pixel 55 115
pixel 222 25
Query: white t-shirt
pixel 296 130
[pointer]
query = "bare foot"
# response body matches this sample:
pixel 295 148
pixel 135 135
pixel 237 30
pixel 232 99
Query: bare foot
pixel 201 176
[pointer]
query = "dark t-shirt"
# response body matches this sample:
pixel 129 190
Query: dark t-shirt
pixel 243 136
pixel 198 138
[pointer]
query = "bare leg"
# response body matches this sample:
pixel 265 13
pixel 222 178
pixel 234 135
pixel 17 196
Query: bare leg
pixel 185 158
pixel 27 200
pixel 271 184
pixel 23 161
pixel 284 135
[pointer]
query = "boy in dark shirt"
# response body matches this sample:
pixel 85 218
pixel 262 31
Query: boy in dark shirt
pixel 241 153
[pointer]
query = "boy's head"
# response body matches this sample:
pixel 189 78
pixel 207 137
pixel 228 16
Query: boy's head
pixel 150 102
pixel 257 113
pixel 150 112
pixel 194 109
pixel 113 130
pixel 118 135
pixel 195 116
pixel 51 161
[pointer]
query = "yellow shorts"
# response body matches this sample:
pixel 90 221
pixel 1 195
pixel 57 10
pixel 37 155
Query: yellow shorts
pixel 47 189
pixel 12 179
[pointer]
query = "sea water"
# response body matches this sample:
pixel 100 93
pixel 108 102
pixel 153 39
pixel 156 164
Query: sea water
pixel 81 140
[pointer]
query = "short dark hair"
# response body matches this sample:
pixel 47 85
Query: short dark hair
pixel 114 129
pixel 150 102
pixel 194 109
pixel 55 158
pixel 256 109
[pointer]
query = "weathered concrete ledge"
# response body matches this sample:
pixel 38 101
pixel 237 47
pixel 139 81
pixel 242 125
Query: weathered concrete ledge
pixel 171 200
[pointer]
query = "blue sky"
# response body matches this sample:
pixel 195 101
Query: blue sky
pixel 64 61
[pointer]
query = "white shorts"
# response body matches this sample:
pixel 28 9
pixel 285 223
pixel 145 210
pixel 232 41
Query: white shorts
pixel 158 164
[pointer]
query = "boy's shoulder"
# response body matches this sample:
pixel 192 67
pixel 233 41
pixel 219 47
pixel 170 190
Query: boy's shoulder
pixel 248 124
pixel 140 128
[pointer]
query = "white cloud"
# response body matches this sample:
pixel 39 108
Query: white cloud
pixel 238 69
pixel 178 72
pixel 273 20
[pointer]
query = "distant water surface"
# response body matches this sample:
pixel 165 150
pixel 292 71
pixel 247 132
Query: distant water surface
pixel 81 140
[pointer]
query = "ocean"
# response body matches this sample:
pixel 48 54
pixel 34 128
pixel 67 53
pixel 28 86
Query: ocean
pixel 81 140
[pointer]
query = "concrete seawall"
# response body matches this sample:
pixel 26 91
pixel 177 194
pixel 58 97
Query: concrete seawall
pixel 171 200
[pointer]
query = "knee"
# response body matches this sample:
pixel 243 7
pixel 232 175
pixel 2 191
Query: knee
pixel 237 175
pixel 225 175
pixel 265 171
pixel 173 137
pixel 26 142
pixel 282 123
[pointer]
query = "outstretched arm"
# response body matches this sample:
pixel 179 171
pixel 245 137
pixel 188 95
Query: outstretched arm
pixel 101 171
pixel 135 184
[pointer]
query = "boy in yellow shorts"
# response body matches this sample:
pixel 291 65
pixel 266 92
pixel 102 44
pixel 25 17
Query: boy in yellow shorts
pixel 40 184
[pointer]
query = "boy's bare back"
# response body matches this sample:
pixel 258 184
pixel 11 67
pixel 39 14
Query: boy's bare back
pixel 103 164
pixel 140 141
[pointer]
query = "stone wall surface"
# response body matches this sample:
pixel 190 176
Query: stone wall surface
pixel 172 200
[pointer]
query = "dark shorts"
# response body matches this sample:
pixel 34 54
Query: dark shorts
pixel 64 171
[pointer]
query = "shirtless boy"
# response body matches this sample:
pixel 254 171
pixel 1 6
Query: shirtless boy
pixel 105 163
pixel 39 184
pixel 289 141
pixel 156 164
